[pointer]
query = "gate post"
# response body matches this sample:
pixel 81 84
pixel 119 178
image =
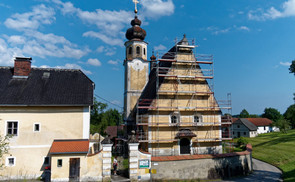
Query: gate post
pixel 133 161
pixel 106 159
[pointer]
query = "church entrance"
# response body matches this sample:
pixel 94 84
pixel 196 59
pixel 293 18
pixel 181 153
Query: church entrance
pixel 185 146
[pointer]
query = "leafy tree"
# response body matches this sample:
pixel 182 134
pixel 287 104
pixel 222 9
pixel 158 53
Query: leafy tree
pixel 4 146
pixel 254 116
pixel 272 114
pixel 101 118
pixel 242 142
pixel 282 124
pixel 292 67
pixel 290 115
pixel 244 114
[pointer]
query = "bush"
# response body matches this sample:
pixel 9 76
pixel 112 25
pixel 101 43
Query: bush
pixel 242 142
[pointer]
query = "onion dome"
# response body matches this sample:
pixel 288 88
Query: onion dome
pixel 153 57
pixel 135 32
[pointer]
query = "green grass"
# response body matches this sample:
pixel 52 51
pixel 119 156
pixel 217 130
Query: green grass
pixel 277 149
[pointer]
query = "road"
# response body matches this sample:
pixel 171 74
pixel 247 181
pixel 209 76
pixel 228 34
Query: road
pixel 263 172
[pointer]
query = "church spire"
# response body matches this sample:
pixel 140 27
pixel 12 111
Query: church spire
pixel 135 32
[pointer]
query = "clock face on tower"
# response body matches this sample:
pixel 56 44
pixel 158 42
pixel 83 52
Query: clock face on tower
pixel 137 65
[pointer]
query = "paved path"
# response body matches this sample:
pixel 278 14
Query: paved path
pixel 119 178
pixel 263 172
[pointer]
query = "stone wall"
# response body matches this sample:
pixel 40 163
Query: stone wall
pixel 192 167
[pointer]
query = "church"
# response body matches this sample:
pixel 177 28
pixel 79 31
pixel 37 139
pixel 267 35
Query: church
pixel 168 100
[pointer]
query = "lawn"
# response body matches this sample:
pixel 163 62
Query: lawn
pixel 278 149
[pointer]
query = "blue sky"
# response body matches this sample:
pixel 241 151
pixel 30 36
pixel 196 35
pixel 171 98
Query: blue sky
pixel 252 41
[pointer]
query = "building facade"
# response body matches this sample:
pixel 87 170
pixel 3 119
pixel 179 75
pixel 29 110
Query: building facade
pixel 251 127
pixel 171 106
pixel 38 106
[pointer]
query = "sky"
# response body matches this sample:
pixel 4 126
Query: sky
pixel 252 42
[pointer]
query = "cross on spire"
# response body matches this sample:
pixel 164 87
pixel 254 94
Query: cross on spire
pixel 135 3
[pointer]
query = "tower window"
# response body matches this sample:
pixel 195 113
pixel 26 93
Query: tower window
pixel 143 51
pixel 130 50
pixel 137 50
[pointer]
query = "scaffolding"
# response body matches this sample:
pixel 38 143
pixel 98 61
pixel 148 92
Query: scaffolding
pixel 183 79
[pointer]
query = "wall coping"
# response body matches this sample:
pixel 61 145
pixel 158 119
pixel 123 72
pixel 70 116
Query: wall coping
pixel 89 155
pixel 203 156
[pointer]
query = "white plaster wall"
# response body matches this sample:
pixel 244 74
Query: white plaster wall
pixel 262 130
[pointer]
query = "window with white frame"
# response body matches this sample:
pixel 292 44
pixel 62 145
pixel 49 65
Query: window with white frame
pixel 37 127
pixel 174 118
pixel 197 118
pixel 10 161
pixel 12 128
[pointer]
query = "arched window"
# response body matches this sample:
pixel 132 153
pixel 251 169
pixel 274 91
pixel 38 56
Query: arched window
pixel 137 50
pixel 143 51
pixel 175 118
pixel 130 50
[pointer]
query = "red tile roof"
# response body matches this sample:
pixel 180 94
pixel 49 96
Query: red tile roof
pixel 112 130
pixel 69 146
pixel 260 121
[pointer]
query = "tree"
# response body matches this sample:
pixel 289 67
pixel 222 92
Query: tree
pixel 290 115
pixel 272 114
pixel 244 114
pixel 283 125
pixel 4 146
pixel 101 118
pixel 292 67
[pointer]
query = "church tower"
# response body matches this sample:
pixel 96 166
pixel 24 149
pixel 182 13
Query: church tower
pixel 136 67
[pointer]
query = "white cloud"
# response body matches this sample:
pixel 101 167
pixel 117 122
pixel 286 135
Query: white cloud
pixel 100 49
pixel 157 8
pixel 285 63
pixel 106 39
pixel 16 39
pixel 243 28
pixel 160 48
pixel 110 23
pixel 43 45
pixel 4 5
pixel 38 44
pixel 49 38
pixel 31 20
pixel 215 30
pixel 94 62
pixel 74 66
pixel 8 53
pixel 287 10
pixel 109 51
pixel 113 62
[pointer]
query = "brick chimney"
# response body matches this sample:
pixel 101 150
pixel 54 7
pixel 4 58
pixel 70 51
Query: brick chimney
pixel 22 66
